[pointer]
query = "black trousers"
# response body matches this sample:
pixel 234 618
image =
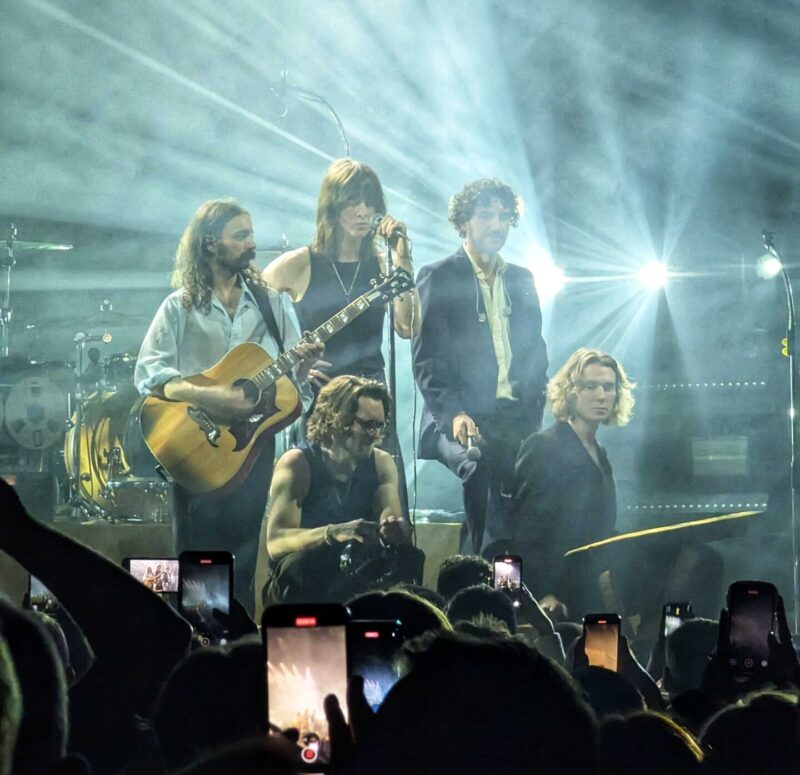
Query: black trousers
pixel 315 575
pixel 230 523
pixel 488 482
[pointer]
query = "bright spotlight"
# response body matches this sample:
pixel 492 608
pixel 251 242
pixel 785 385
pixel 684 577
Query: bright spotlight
pixel 768 266
pixel 654 274
pixel 550 279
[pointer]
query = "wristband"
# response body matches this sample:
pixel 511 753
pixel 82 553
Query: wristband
pixel 328 538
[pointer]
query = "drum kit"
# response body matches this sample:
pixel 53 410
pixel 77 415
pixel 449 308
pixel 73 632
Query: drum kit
pixel 78 420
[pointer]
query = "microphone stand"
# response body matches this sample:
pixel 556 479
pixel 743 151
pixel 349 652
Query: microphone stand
pixel 392 372
pixel 768 238
pixel 7 261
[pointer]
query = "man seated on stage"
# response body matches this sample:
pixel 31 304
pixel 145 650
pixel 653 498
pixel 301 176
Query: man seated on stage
pixel 335 489
pixel 565 496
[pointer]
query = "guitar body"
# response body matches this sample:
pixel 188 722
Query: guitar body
pixel 204 455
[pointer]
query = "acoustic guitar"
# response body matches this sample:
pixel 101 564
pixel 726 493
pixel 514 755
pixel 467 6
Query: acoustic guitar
pixel 205 455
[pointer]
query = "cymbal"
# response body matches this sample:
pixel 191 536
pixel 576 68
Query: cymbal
pixel 720 520
pixel 21 245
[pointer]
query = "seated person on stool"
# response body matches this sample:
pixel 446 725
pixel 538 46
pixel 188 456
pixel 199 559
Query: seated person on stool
pixel 335 489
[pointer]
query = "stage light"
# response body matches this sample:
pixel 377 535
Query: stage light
pixel 768 266
pixel 550 279
pixel 654 274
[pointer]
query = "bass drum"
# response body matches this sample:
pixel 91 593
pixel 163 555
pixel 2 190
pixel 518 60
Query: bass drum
pixel 99 450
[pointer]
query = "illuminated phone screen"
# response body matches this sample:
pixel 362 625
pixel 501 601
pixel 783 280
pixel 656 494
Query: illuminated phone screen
pixel 304 665
pixel 601 643
pixel 159 575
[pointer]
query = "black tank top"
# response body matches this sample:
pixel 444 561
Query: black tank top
pixel 356 349
pixel 332 502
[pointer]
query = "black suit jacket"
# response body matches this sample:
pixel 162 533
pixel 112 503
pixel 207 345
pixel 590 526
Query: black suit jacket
pixel 453 356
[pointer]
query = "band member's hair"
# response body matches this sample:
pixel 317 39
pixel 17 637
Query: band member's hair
pixel 562 388
pixel 346 183
pixel 192 272
pixel 462 205
pixel 337 404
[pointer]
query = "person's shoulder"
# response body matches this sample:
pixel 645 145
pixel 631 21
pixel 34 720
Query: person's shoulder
pixel 445 271
pixel 383 459
pixel 544 440
pixel 518 272
pixel 284 272
pixel 172 305
pixel 292 465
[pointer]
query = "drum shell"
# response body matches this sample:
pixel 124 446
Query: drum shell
pixel 98 450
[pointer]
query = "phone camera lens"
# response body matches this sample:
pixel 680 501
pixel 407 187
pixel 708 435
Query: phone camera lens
pixel 748 662
pixel 205 641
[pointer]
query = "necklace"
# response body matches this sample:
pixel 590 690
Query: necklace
pixel 346 291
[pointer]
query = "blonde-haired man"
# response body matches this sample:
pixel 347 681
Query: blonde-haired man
pixel 565 494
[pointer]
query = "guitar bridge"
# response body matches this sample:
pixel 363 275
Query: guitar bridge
pixel 210 430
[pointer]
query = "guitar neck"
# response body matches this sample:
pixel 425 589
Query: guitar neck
pixel 283 365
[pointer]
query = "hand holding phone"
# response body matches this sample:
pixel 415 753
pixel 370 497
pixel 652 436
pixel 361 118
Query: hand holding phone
pixel 371 648
pixel 751 621
pixel 206 583
pixel 507 576
pixel 601 640
pixel 306 660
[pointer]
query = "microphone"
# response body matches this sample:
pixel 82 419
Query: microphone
pixel 473 450
pixel 376 221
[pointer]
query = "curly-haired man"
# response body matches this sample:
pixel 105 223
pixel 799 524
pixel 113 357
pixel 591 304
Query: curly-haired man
pixel 479 358
pixel 336 488
pixel 220 302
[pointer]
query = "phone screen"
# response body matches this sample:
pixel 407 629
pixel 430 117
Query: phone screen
pixel 160 575
pixel 306 661
pixel 372 646
pixel 601 641
pixel 39 596
pixel 507 576
pixel 206 583
pixel 675 614
pixel 752 610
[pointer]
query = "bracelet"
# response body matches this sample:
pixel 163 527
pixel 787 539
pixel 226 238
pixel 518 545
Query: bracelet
pixel 328 538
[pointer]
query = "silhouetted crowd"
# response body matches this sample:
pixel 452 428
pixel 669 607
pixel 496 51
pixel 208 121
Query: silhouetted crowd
pixel 112 681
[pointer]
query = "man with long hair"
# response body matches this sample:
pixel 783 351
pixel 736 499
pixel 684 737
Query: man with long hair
pixel 333 489
pixel 479 359
pixel 565 495
pixel 218 305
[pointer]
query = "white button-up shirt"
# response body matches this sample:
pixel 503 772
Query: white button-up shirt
pixel 182 342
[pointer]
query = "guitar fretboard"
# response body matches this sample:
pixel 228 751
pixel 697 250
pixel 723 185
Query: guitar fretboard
pixel 290 358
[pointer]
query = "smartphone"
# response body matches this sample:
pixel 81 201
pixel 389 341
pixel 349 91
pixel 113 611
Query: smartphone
pixel 371 648
pixel 675 614
pixel 205 582
pixel 40 598
pixel 752 607
pixel 159 574
pixel 507 576
pixel 306 659
pixel 601 640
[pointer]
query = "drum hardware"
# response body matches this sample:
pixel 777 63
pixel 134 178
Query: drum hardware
pixel 8 261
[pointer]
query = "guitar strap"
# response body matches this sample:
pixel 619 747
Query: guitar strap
pixel 262 299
